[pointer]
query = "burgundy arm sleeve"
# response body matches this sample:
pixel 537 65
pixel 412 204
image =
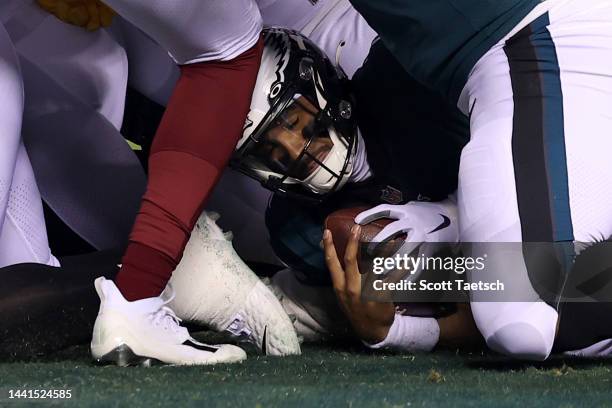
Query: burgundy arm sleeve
pixel 198 133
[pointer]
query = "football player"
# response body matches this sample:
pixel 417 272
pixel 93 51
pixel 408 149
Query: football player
pixel 317 21
pixel 219 60
pixel 353 43
pixel 323 143
pixel 298 142
pixel 349 43
pixel 310 21
pixel 535 78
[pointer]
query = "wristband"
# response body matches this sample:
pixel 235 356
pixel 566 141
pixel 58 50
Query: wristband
pixel 411 334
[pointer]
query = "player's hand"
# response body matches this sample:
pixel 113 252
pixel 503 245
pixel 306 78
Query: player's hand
pixel 89 14
pixel 370 320
pixel 429 227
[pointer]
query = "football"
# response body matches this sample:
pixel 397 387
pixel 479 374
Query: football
pixel 340 223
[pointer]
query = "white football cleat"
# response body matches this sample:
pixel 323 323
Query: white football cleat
pixel 215 288
pixel 145 331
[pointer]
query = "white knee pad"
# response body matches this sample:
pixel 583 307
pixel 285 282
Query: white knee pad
pixel 524 330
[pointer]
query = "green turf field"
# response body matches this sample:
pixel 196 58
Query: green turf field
pixel 320 377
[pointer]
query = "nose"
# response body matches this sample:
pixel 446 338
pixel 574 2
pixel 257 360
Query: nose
pixel 292 142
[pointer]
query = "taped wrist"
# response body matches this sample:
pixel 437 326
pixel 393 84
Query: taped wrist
pixel 410 334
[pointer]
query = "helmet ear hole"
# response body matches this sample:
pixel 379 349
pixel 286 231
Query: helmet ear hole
pixel 306 70
pixel 345 109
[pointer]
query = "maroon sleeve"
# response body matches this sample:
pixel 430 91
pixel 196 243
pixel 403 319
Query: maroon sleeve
pixel 198 133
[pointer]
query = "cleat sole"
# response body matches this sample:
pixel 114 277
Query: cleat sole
pixel 123 356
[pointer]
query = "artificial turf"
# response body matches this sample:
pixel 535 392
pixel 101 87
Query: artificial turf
pixel 320 377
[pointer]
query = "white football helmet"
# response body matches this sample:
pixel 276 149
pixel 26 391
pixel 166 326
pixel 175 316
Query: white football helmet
pixel 300 137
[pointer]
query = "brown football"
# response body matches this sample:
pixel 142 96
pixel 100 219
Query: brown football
pixel 341 222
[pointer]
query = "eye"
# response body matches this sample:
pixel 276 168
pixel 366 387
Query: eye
pixel 291 120
pixel 294 122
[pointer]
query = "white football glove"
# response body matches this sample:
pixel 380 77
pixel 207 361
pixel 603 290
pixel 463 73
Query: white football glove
pixel 430 227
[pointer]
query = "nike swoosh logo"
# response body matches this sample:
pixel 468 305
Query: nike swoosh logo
pixel 444 224
pixel 199 346
pixel 264 342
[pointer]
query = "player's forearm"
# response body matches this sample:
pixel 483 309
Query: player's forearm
pixel 195 139
pixel 197 136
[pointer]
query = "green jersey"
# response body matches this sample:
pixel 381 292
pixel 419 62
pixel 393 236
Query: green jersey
pixel 439 41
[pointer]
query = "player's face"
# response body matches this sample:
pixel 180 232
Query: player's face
pixel 282 146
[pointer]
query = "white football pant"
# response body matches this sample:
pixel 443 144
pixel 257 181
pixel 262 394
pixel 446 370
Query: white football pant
pixel 537 167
